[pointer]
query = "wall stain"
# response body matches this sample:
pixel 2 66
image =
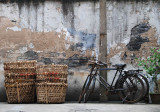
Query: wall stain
pixel 54 54
pixel 46 60
pixel 86 40
pixel 68 11
pixel 43 22
pixel 76 60
pixel 27 3
pixel 147 37
pixel 53 48
pixel 136 40
pixel 31 55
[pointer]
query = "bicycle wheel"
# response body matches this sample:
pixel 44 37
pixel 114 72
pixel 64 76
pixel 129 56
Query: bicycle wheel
pixel 84 88
pixel 133 88
pixel 146 86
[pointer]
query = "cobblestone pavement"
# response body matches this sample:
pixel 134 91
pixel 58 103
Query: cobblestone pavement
pixel 75 107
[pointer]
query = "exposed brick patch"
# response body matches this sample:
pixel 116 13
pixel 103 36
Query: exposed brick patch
pixel 143 38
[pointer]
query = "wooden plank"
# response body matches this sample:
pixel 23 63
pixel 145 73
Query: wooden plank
pixel 103 47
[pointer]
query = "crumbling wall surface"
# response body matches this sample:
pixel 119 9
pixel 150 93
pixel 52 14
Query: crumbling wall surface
pixel 132 29
pixel 62 32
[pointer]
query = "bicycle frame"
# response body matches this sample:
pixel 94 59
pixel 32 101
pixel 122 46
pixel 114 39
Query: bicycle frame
pixel 125 85
pixel 101 80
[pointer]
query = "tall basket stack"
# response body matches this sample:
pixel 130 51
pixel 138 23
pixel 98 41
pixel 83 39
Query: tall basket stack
pixel 51 83
pixel 20 81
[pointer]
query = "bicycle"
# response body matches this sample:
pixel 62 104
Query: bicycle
pixel 129 87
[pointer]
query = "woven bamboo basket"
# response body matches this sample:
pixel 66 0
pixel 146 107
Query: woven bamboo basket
pixel 19 64
pixel 20 70
pixel 53 73
pixel 52 79
pixel 12 81
pixel 20 91
pixel 52 68
pixel 51 92
pixel 19 76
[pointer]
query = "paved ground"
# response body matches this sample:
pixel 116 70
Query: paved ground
pixel 75 107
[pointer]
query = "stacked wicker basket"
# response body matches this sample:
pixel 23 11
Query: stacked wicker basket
pixel 51 83
pixel 20 81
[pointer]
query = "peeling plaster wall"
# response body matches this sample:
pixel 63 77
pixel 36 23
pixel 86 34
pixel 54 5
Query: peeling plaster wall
pixel 132 29
pixel 50 32
pixel 68 32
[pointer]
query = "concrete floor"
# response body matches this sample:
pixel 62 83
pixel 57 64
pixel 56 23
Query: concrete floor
pixel 75 107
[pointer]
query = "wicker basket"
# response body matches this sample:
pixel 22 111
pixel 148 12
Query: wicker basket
pixel 52 73
pixel 52 68
pixel 52 77
pixel 52 80
pixel 20 91
pixel 51 92
pixel 19 64
pixel 20 70
pixel 19 76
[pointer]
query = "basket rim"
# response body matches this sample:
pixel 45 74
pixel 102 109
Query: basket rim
pixel 50 83
pixel 23 61
pixel 10 68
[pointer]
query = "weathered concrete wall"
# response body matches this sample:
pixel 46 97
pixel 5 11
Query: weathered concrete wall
pixel 68 32
pixel 133 28
pixel 50 32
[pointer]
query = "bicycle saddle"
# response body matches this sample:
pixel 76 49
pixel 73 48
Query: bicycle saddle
pixel 119 65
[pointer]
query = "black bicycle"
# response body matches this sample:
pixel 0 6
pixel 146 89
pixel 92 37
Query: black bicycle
pixel 129 87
